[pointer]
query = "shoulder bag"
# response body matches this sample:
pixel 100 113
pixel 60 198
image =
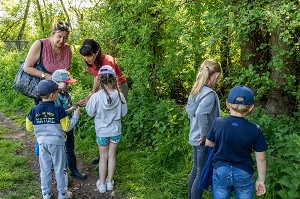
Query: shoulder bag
pixel 26 83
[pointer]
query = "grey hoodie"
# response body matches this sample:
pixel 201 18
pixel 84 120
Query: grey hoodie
pixel 107 116
pixel 202 109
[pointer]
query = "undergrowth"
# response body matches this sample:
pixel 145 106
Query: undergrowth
pixel 154 157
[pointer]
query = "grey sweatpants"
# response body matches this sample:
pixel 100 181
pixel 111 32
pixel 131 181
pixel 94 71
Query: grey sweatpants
pixel 51 154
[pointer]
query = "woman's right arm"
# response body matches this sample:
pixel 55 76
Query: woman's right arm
pixel 96 84
pixel 32 58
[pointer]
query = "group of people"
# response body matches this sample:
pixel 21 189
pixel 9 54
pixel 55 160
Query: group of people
pixel 54 115
pixel 234 138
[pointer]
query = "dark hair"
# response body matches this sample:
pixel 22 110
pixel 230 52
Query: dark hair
pixel 61 26
pixel 110 79
pixel 90 46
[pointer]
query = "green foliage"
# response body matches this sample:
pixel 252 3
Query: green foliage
pixel 14 175
pixel 283 155
pixel 10 64
pixel 160 46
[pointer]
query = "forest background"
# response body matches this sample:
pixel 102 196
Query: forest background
pixel 160 46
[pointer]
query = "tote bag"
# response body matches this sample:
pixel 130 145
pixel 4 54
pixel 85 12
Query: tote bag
pixel 26 83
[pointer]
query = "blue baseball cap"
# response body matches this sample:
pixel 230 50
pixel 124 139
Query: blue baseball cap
pixel 46 87
pixel 241 95
pixel 106 69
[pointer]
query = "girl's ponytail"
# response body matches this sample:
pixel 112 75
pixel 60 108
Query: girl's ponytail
pixel 207 68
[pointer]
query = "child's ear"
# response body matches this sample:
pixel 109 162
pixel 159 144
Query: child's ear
pixel 251 108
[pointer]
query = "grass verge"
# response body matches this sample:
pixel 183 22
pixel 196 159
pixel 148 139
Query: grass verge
pixel 16 180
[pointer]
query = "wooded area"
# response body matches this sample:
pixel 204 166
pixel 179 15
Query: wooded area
pixel 160 44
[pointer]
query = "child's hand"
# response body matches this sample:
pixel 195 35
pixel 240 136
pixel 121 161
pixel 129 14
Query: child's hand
pixel 70 110
pixel 77 111
pixel 260 188
pixel 201 141
pixel 82 102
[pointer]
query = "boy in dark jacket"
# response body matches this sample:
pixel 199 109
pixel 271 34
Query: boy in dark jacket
pixel 235 138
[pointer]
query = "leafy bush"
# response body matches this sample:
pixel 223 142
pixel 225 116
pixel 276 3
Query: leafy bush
pixel 283 155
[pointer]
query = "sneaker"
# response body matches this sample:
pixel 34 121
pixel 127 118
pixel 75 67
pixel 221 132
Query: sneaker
pixel 101 187
pixel 61 196
pixel 47 196
pixel 66 195
pixel 110 186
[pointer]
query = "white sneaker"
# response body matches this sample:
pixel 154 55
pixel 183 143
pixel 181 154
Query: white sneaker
pixel 61 196
pixel 110 186
pixel 47 196
pixel 101 187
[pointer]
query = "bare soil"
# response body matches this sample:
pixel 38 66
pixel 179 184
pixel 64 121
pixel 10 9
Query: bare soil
pixel 81 189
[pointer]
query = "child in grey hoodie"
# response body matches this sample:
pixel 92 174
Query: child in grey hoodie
pixel 203 108
pixel 108 106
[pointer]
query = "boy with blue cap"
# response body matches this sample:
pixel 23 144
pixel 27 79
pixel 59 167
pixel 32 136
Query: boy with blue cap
pixel 49 122
pixel 234 139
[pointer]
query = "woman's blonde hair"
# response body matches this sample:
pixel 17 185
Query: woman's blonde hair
pixel 61 26
pixel 207 68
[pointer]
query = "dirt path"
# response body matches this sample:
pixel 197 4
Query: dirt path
pixel 85 189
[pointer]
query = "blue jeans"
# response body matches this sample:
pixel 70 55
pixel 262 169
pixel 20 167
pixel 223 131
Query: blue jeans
pixel 228 178
pixel 199 158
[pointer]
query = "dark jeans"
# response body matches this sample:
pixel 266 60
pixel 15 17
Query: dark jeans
pixel 70 144
pixel 199 158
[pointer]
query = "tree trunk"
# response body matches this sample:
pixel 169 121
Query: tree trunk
pixel 46 15
pixel 66 13
pixel 41 17
pixel 20 35
pixel 280 101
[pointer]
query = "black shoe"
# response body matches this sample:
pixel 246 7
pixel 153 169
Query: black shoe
pixel 78 175
pixel 73 169
pixel 95 160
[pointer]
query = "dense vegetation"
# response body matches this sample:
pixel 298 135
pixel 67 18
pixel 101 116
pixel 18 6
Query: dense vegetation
pixel 160 45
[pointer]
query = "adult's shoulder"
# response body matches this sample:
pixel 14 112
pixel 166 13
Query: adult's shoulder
pixel 108 58
pixel 105 56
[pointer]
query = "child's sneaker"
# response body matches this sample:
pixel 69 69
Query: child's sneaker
pixel 61 196
pixel 65 195
pixel 47 196
pixel 101 187
pixel 110 186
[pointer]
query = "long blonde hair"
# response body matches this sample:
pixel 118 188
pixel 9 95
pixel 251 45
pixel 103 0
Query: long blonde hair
pixel 207 68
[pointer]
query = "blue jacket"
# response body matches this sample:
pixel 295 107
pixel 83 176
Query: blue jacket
pixel 207 171
pixel 49 123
